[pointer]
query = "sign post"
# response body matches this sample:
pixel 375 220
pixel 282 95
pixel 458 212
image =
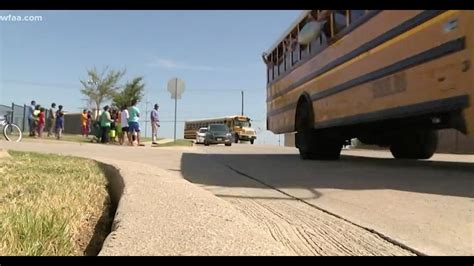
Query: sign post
pixel 176 88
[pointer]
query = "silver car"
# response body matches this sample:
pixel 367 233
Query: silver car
pixel 218 134
pixel 201 135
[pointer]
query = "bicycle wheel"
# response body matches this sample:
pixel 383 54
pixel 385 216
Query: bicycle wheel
pixel 12 132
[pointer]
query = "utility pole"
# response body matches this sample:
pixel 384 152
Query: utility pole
pixel 176 88
pixel 242 92
pixel 175 106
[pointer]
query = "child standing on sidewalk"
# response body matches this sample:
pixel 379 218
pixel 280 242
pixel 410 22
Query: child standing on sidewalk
pixel 36 113
pixel 41 122
pixel 89 122
pixel 84 123
pixel 59 122
pixel 113 125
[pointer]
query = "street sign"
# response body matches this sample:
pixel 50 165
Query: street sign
pixel 176 87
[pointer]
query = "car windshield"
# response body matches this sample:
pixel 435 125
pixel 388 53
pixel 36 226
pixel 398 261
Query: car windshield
pixel 219 128
pixel 202 130
pixel 240 123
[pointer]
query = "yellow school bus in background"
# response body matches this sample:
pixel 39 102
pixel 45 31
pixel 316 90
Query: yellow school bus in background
pixel 239 125
pixel 386 77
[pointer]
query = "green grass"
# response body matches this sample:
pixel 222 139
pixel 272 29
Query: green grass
pixel 49 204
pixel 179 142
pixel 64 137
pixel 80 138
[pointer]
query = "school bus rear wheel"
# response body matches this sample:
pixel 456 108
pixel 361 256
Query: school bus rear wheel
pixel 415 144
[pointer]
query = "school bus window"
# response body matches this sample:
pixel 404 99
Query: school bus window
pixel 270 66
pixel 267 59
pixel 314 14
pixel 288 60
pixel 281 63
pixel 274 65
pixel 356 14
pixel 317 44
pixel 268 75
pixel 339 21
pixel 304 51
pixel 275 70
pixel 288 48
pixel 281 66
pixel 296 54
pixel 323 16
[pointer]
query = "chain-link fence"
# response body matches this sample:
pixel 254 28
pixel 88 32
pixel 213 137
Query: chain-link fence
pixel 4 109
pixel 20 116
pixel 17 114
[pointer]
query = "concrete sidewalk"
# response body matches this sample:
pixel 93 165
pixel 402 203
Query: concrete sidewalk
pixel 160 213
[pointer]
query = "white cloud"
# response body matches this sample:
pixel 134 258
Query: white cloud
pixel 170 64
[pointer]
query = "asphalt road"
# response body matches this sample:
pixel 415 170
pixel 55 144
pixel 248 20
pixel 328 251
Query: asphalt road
pixel 364 204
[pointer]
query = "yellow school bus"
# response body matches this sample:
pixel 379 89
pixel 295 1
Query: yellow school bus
pixel 386 77
pixel 239 125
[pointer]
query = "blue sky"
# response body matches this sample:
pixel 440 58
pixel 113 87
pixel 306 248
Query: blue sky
pixel 217 53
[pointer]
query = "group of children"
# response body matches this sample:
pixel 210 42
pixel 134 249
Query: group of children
pixel 115 128
pixel 121 123
pixel 112 123
pixel 38 120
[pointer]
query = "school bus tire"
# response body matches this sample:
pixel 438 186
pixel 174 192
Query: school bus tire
pixel 311 144
pixel 314 146
pixel 417 144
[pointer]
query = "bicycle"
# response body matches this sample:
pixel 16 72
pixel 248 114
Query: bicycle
pixel 11 131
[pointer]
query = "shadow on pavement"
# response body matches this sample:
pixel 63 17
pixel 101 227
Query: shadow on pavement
pixel 283 171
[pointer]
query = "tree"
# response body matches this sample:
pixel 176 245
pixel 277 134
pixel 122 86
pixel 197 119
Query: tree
pixel 100 87
pixel 133 90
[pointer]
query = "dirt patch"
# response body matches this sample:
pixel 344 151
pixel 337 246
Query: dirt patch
pixel 4 154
